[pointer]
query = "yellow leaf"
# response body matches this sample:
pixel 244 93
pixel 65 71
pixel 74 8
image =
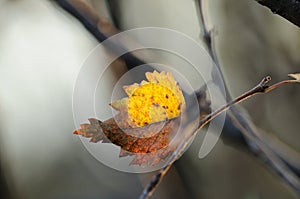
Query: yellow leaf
pixel 158 99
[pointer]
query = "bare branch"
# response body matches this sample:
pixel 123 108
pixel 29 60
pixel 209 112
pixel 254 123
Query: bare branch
pixel 262 87
pixel 98 26
pixel 281 157
pixel 259 147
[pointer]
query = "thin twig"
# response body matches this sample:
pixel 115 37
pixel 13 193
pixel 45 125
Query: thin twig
pixel 262 87
pixel 259 142
pixel 277 163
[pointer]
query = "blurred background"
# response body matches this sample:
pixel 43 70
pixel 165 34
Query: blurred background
pixel 42 48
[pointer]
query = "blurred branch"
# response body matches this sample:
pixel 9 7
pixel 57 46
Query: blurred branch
pixel 282 158
pixel 99 27
pixel 288 9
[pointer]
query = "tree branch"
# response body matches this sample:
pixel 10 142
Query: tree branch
pixel 280 157
pixel 288 9
pixel 262 87
pixel 283 159
pixel 99 27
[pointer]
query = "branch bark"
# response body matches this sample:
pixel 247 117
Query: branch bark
pixel 288 9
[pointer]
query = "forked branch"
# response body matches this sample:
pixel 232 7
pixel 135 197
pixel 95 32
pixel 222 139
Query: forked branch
pixel 262 87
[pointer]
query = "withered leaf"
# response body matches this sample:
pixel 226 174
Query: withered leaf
pixel 146 122
pixel 148 145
